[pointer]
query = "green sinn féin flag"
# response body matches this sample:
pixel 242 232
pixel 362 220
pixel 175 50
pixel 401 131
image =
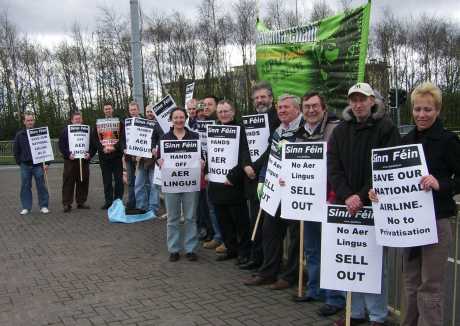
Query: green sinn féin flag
pixel 328 56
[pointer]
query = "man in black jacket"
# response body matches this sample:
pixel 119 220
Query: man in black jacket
pixel 106 139
pixel 23 157
pixel 364 128
pixel 274 227
pixel 262 96
pixel 71 181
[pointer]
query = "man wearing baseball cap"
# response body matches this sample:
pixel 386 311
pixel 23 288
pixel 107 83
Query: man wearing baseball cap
pixel 364 127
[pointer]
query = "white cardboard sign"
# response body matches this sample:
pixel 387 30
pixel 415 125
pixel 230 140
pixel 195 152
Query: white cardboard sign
pixel 305 174
pixel 223 145
pixel 40 145
pixel 78 140
pixel 181 171
pixel 257 134
pixel 351 259
pixel 404 215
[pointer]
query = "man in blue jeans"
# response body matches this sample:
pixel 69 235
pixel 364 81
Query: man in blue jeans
pixel 147 193
pixel 23 157
pixel 131 161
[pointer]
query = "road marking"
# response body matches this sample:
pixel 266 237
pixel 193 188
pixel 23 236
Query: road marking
pixel 451 260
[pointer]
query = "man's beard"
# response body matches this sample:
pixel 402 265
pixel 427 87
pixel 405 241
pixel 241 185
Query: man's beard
pixel 262 108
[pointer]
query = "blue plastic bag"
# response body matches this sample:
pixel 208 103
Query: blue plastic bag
pixel 117 214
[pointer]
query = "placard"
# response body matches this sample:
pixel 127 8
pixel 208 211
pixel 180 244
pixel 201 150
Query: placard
pixel 139 137
pixel 257 134
pixel 162 110
pixel 181 171
pixel 189 92
pixel 271 197
pixel 351 259
pixel 305 174
pixel 40 145
pixel 201 128
pixel 78 140
pixel 108 131
pixel 404 215
pixel 223 145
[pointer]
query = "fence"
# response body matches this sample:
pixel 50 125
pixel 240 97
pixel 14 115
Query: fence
pixel 7 156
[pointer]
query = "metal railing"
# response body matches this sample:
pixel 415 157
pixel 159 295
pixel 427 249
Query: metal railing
pixel 7 155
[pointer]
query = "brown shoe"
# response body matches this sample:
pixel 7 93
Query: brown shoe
pixel 280 285
pixel 258 280
pixel 213 244
pixel 221 249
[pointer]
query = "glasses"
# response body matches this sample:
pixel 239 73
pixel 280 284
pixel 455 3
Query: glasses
pixel 314 107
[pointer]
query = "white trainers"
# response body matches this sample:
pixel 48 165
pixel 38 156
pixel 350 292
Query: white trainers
pixel 24 212
pixel 44 210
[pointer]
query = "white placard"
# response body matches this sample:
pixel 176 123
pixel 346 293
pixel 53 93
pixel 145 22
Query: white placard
pixel 351 259
pixel 162 110
pixel 40 145
pixel 271 196
pixel 257 134
pixel 223 145
pixel 139 137
pixel 108 131
pixel 305 173
pixel 181 171
pixel 404 215
pixel 201 127
pixel 78 140
pixel 189 92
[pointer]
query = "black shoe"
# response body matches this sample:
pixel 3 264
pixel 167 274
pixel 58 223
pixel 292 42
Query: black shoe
pixel 225 257
pixel 250 265
pixel 174 256
pixel 67 208
pixel 106 206
pixel 191 256
pixel 82 206
pixel 305 298
pixel 241 261
pixel 328 310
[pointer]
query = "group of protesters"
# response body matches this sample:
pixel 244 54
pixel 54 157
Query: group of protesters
pixel 223 215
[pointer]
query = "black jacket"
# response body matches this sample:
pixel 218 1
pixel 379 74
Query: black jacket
pixel 442 154
pixel 350 148
pixel 221 194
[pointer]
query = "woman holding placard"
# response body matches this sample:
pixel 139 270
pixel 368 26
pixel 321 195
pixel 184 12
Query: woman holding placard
pixel 425 267
pixel 228 197
pixel 183 202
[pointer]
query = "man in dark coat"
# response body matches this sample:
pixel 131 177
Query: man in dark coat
pixel 107 140
pixel 364 128
pixel 23 157
pixel 262 96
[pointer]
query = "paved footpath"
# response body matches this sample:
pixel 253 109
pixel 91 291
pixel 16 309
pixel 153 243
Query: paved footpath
pixel 77 269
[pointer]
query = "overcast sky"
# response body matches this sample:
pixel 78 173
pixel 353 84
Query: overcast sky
pixel 48 20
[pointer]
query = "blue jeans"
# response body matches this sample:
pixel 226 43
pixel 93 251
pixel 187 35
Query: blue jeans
pixel 312 249
pixel 176 203
pixel 147 194
pixel 214 222
pixel 131 170
pixel 375 304
pixel 27 171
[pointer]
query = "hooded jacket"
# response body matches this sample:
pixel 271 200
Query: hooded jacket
pixel 350 148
